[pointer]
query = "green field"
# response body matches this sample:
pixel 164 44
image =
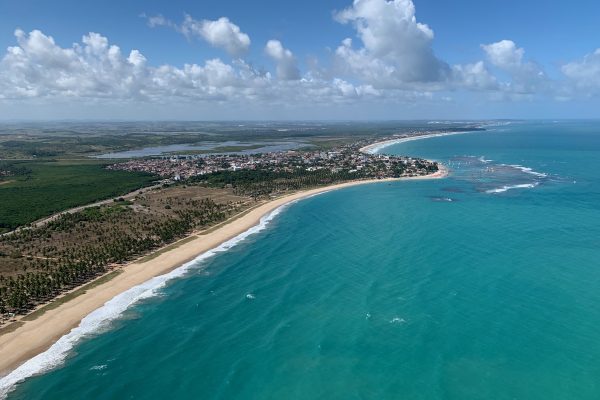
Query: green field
pixel 41 188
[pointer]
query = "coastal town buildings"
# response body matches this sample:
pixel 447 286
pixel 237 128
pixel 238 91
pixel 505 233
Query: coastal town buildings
pixel 348 158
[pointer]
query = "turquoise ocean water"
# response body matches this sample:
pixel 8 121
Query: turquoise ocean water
pixel 485 285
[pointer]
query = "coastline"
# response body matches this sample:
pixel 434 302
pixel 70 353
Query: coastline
pixel 377 146
pixel 35 337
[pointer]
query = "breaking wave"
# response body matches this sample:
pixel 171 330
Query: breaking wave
pixel 510 187
pixel 527 170
pixel 101 318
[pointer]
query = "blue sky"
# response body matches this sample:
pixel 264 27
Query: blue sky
pixel 291 60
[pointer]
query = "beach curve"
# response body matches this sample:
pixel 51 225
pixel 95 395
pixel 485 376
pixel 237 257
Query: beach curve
pixel 43 343
pixel 376 147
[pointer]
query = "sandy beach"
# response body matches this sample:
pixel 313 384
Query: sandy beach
pixel 375 147
pixel 35 336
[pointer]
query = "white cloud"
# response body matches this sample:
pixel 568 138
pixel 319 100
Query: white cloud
pixel 504 54
pixel 38 67
pixel 221 33
pixel 95 69
pixel 158 20
pixel 349 90
pixel 526 77
pixel 396 53
pixel 136 59
pixel 391 62
pixel 396 48
pixel 474 77
pixel 286 62
pixel 584 75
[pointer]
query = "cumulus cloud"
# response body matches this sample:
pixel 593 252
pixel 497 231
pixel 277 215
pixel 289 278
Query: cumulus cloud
pixel 95 69
pixel 391 60
pixel 395 52
pixel 526 77
pixel 220 33
pixel 39 67
pixel 584 75
pixel 396 49
pixel 285 60
pixel 504 54
pixel 474 77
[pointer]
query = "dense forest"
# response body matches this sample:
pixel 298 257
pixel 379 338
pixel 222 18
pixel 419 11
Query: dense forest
pixel 35 189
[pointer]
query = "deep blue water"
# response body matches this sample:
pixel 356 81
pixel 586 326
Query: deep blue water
pixel 485 285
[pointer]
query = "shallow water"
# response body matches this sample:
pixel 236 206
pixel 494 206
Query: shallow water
pixel 482 285
pixel 180 149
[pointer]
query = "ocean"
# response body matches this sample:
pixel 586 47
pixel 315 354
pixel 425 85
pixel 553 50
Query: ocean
pixel 484 285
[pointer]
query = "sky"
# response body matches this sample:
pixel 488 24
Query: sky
pixel 289 60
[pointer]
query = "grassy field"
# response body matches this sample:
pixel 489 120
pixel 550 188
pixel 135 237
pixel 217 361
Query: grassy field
pixel 41 188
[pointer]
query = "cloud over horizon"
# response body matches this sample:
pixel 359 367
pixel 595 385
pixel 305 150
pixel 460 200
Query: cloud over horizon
pixel 390 59
pixel 285 60
pixel 396 48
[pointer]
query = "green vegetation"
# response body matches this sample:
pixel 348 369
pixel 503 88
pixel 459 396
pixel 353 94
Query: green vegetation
pixel 78 247
pixel 259 183
pixel 40 188
pixel 71 295
pixel 76 144
pixel 73 139
pixel 46 169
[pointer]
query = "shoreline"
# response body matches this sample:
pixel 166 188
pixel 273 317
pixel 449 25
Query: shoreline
pixel 31 340
pixel 374 148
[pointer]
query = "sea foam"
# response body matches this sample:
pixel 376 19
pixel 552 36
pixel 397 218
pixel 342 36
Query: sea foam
pixel 510 187
pixel 527 170
pixel 101 318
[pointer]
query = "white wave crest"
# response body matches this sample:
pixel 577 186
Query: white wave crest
pixel 528 170
pixel 113 309
pixel 510 187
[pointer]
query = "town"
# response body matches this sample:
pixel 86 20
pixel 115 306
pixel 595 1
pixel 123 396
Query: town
pixel 350 159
